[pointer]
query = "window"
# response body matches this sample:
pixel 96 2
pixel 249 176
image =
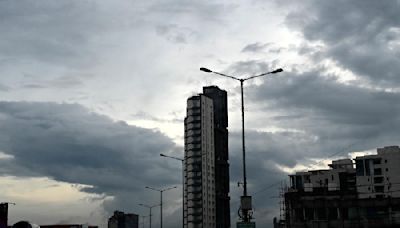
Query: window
pixel 377 161
pixel 378 171
pixel 309 213
pixel 360 167
pixel 299 214
pixel 321 214
pixel 367 167
pixel 379 189
pixel 333 213
pixel 378 180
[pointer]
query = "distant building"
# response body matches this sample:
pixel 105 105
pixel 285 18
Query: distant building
pixel 206 167
pixel 122 220
pixel 3 215
pixel 344 196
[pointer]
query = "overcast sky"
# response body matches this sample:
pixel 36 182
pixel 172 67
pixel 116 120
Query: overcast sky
pixel 91 92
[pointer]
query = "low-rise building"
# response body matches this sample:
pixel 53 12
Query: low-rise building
pixel 366 194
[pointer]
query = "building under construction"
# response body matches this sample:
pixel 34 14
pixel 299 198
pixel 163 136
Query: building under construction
pixel 365 193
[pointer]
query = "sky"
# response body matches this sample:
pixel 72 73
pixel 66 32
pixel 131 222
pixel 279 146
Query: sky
pixel 91 92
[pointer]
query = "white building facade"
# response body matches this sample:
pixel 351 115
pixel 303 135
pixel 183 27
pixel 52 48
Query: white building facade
pixel 199 164
pixel 378 176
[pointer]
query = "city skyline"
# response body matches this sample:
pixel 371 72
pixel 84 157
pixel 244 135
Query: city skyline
pixel 91 92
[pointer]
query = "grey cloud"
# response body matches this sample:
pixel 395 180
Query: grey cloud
pixel 175 33
pixel 204 11
pixel 34 86
pixel 62 33
pixel 251 67
pixel 4 88
pixel 146 116
pixel 361 36
pixel 66 81
pixel 62 82
pixel 263 48
pixel 46 31
pixel 330 110
pixel 69 143
pixel 255 47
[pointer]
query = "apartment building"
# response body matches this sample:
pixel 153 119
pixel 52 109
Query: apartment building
pixel 360 194
pixel 206 168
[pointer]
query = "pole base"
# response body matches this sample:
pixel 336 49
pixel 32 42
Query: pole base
pixel 245 225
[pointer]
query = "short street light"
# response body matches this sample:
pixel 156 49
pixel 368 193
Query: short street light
pixel 245 201
pixel 150 207
pixel 161 200
pixel 183 184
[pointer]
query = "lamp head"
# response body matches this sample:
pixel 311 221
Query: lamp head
pixel 205 70
pixel 277 71
pixel 162 155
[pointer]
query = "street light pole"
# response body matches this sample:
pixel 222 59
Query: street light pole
pixel 245 202
pixel 183 184
pixel 143 216
pixel 161 200
pixel 243 142
pixel 150 207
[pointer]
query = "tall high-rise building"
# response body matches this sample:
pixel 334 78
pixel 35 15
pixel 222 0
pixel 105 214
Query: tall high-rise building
pixel 206 196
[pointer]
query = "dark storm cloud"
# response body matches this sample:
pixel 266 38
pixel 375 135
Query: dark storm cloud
pixel 68 143
pixel 362 36
pixel 331 111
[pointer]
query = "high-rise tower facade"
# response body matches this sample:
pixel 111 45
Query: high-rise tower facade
pixel 206 196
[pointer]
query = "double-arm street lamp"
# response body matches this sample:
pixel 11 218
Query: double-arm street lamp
pixel 245 202
pixel 150 207
pixel 183 183
pixel 161 200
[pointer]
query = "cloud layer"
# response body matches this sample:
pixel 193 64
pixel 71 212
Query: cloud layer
pixel 68 143
pixel 138 61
